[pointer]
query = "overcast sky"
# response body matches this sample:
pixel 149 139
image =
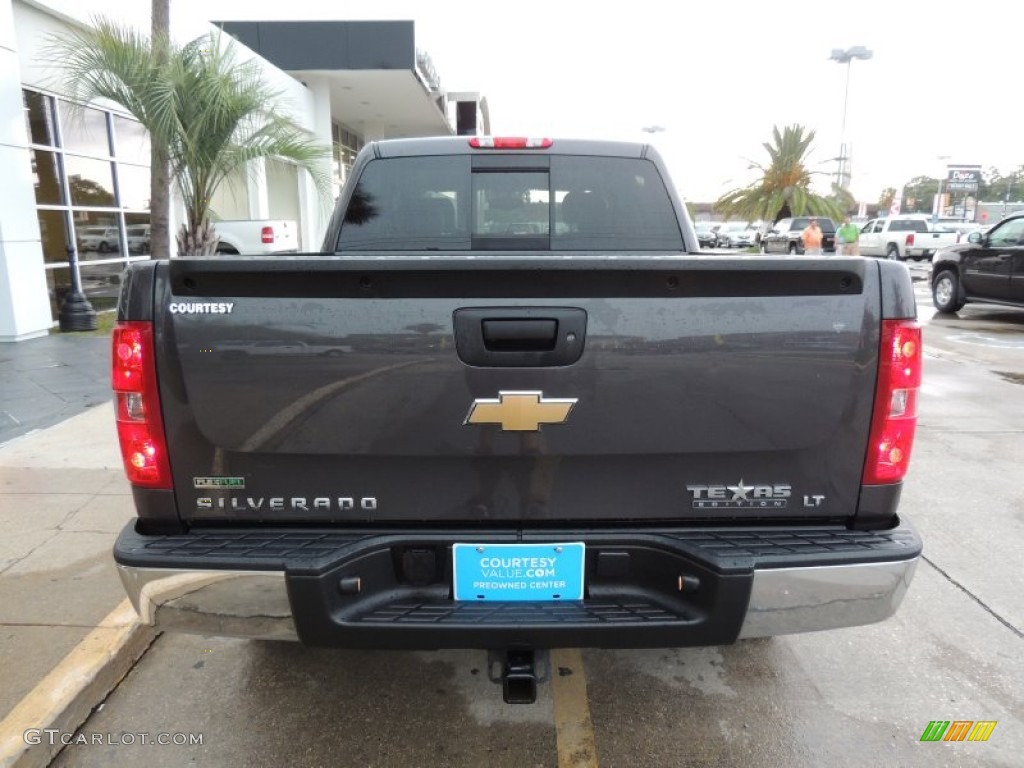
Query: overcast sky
pixel 944 80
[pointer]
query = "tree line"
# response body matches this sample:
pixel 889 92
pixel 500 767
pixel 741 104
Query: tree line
pixel 919 193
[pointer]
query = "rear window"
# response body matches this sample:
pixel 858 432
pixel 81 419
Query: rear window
pixel 560 203
pixel 908 225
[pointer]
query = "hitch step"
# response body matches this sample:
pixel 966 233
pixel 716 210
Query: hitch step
pixel 518 673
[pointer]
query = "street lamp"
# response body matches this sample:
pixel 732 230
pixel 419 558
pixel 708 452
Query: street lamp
pixel 846 56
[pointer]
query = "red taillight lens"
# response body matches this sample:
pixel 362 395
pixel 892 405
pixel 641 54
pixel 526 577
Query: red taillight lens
pixel 267 235
pixel 140 428
pixel 509 142
pixel 910 239
pixel 894 420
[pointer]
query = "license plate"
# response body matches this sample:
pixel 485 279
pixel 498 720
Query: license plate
pixel 538 572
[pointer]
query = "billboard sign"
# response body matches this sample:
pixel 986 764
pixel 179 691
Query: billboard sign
pixel 964 178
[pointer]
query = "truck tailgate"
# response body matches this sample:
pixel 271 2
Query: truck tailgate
pixel 316 388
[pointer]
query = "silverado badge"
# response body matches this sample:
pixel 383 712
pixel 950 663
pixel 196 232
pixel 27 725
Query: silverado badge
pixel 520 411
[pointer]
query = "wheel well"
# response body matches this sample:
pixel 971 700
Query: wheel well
pixel 945 266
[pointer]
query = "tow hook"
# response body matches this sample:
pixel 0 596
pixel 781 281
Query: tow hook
pixel 518 671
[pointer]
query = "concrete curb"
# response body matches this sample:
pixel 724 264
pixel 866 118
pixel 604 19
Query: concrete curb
pixel 63 700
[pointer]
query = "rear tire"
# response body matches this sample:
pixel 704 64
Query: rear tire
pixel 792 249
pixel 893 253
pixel 946 292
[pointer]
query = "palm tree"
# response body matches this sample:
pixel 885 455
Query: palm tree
pixel 211 115
pixel 784 187
pixel 159 180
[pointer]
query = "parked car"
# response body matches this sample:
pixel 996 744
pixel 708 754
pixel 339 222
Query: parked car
pixel 784 236
pixel 102 239
pixel 138 238
pixel 903 237
pixel 736 234
pixel 988 267
pixel 705 235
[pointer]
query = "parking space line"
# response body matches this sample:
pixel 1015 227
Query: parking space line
pixel 574 733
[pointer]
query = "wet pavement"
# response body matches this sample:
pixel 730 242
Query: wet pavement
pixel 47 380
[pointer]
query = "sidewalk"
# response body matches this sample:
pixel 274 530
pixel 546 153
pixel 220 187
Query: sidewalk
pixel 66 634
pixel 44 381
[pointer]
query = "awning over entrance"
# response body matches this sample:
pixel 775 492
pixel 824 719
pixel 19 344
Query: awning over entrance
pixel 379 85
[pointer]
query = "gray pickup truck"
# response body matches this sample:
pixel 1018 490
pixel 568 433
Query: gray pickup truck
pixel 548 421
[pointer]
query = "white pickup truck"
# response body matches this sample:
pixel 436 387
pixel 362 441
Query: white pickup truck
pixel 257 236
pixel 903 237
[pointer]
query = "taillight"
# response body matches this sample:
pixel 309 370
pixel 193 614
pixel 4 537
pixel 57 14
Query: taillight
pixel 267 235
pixel 895 414
pixel 140 428
pixel 910 239
pixel 508 142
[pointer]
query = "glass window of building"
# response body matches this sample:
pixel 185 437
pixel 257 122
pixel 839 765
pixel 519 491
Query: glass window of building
pixel 91 172
pixel 46 174
pixel 84 130
pixel 39 118
pixel 346 145
pixel 131 140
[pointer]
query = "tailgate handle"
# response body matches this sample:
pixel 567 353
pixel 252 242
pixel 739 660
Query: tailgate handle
pixel 519 337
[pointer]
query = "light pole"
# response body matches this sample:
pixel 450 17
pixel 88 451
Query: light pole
pixel 846 56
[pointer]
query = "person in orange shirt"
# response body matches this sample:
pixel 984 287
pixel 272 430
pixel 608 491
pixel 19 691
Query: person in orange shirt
pixel 811 237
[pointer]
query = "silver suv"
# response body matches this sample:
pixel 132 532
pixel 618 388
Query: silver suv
pixel 102 239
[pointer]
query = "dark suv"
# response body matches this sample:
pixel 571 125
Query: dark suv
pixel 989 267
pixel 784 237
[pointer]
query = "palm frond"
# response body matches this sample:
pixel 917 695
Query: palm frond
pixel 785 182
pixel 212 115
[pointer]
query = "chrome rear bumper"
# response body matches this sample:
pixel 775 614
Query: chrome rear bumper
pixel 226 603
pixel 255 604
pixel 790 600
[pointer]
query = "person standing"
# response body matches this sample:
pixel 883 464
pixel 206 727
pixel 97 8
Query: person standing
pixel 847 237
pixel 811 237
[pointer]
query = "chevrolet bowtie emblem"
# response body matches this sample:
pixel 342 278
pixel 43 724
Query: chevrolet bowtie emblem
pixel 520 411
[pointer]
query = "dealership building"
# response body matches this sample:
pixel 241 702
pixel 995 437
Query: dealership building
pixel 78 178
